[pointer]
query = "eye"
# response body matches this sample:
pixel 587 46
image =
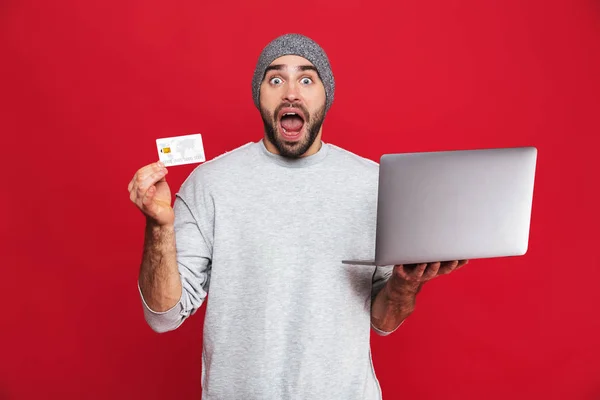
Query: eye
pixel 306 81
pixel 276 81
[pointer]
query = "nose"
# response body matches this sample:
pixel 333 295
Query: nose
pixel 291 93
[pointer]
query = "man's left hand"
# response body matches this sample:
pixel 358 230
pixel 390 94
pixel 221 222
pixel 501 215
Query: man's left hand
pixel 408 278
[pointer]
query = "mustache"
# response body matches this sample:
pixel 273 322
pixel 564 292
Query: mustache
pixel 290 105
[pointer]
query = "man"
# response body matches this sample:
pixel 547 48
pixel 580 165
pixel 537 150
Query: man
pixel 264 229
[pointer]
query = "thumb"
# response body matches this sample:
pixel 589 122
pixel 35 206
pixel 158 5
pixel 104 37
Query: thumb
pixel 147 200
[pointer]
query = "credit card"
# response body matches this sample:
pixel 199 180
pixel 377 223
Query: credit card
pixel 180 150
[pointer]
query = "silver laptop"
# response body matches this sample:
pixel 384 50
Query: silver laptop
pixel 453 205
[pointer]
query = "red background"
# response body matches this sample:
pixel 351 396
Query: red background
pixel 88 86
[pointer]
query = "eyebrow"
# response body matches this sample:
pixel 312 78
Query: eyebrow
pixel 279 67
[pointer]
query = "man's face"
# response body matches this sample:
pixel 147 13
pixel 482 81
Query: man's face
pixel 292 105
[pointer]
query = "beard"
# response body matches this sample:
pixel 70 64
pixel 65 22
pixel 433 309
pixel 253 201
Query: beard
pixel 312 126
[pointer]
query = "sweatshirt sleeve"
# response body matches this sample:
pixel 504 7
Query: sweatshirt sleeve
pixel 380 278
pixel 193 239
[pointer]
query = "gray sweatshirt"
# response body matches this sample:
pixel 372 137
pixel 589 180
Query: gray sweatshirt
pixel 265 236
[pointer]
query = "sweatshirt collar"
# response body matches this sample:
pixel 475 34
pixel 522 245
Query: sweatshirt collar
pixel 294 163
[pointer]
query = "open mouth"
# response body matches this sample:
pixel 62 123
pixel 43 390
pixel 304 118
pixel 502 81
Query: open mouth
pixel 291 122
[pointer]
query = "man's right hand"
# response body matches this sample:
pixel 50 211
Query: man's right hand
pixel 150 192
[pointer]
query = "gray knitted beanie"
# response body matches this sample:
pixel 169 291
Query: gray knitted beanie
pixel 299 45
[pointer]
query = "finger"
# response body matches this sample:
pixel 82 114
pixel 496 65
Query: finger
pixel 432 270
pixel 147 204
pixel 409 267
pixel 133 196
pixel 462 263
pixel 141 174
pixel 148 197
pixel 150 168
pixel 401 271
pixel 406 271
pixel 145 172
pixel 419 270
pixel 150 181
pixel 447 267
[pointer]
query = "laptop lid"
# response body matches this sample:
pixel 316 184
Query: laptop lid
pixel 454 205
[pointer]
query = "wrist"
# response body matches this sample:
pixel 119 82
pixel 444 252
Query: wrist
pixel 153 226
pixel 158 234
